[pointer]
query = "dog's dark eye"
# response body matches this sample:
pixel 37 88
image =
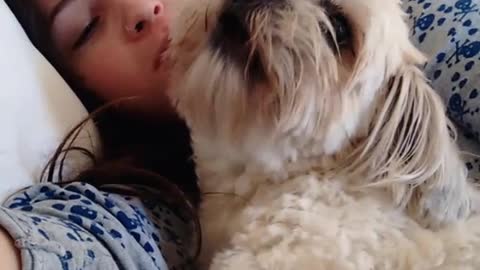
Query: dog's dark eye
pixel 342 28
pixel 340 24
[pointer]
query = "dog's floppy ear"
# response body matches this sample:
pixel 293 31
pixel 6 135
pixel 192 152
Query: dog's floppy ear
pixel 418 137
pixel 411 147
pixel 424 149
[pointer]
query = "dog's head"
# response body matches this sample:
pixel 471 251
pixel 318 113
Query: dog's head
pixel 279 84
pixel 254 72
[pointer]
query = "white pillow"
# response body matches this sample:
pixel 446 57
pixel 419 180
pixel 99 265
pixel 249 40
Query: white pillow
pixel 37 109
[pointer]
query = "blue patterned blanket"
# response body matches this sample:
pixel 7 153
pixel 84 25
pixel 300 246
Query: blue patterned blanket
pixel 448 31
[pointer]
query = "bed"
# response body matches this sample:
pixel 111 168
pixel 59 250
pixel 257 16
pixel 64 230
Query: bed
pixel 37 109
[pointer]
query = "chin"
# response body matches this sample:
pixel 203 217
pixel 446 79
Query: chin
pixel 318 141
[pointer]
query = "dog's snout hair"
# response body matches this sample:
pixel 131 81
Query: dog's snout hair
pixel 248 33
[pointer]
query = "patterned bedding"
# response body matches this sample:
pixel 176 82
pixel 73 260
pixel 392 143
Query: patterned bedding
pixel 448 31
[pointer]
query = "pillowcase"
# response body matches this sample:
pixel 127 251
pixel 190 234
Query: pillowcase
pixel 448 32
pixel 37 110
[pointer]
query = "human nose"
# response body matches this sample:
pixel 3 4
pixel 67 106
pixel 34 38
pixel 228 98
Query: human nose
pixel 140 17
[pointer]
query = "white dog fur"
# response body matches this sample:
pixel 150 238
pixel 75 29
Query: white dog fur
pixel 313 155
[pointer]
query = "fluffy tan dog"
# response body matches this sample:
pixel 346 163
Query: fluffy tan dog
pixel 319 144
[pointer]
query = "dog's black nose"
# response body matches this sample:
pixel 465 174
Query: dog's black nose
pixel 245 6
pixel 231 37
pixel 233 22
pixel 232 31
pixel 257 2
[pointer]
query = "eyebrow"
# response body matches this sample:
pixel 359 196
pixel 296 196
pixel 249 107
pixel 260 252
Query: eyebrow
pixel 57 9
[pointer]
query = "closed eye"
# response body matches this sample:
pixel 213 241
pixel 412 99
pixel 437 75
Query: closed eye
pixel 87 33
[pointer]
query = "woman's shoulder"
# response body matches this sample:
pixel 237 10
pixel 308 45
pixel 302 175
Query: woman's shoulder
pixel 9 254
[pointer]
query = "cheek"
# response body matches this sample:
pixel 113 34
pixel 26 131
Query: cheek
pixel 110 84
pixel 112 77
pixel 117 74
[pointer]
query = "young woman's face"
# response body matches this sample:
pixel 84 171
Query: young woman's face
pixel 115 46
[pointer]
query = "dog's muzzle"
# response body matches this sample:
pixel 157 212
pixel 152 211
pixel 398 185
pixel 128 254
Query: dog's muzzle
pixel 233 28
pixel 232 34
pixel 231 37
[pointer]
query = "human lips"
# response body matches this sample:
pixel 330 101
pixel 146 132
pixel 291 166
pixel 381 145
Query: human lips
pixel 158 58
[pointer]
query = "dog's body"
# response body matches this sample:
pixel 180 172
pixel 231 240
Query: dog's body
pixel 313 223
pixel 318 142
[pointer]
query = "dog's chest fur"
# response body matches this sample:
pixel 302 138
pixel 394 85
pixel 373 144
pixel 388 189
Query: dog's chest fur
pixel 316 222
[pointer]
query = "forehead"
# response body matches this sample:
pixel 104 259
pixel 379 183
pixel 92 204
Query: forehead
pixel 46 6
